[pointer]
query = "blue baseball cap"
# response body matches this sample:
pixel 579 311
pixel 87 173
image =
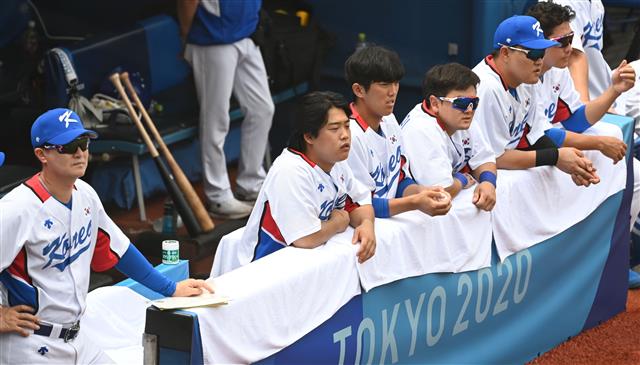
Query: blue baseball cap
pixel 58 126
pixel 1 158
pixel 521 30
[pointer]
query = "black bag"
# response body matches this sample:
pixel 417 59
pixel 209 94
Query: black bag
pixel 292 53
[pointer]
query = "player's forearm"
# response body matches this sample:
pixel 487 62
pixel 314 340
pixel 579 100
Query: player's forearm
pixel 582 141
pixel 454 188
pixel 361 214
pixel 487 166
pixel 516 160
pixel 596 108
pixel 579 69
pixel 401 205
pixel 328 229
pixel 186 12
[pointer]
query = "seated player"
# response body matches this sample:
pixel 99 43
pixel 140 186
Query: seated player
pixel 509 117
pixel 377 157
pixel 53 232
pixel 310 194
pixel 561 100
pixel 437 139
pixel 557 93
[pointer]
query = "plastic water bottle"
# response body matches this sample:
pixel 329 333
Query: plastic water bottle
pixel 169 218
pixel 362 41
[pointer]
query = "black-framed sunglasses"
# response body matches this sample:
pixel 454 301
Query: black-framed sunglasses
pixel 71 147
pixel 462 103
pixel 532 54
pixel 564 40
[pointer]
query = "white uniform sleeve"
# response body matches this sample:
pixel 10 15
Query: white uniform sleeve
pixel 15 227
pixel 290 194
pixel 360 162
pixel 118 241
pixel 489 121
pixel 481 152
pixel 568 93
pixel 356 190
pixel 537 120
pixel 430 164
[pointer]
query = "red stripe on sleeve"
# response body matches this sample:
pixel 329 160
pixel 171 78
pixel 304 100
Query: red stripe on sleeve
pixel 562 113
pixel 349 205
pixel 19 266
pixel 103 257
pixel 269 224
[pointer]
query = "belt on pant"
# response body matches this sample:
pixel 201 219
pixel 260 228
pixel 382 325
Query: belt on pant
pixel 66 333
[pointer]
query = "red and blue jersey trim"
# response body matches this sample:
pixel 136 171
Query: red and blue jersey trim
pixel 303 156
pixel 38 189
pixel 18 282
pixel 270 238
pixel 104 258
pixel 356 116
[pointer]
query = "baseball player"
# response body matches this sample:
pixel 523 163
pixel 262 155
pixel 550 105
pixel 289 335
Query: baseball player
pixel 437 140
pixel 561 101
pixel 310 194
pixel 53 231
pixel 376 158
pixel 589 70
pixel 556 91
pixel 509 117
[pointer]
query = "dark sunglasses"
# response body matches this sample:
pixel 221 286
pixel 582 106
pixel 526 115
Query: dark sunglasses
pixel 71 147
pixel 462 103
pixel 564 40
pixel 532 54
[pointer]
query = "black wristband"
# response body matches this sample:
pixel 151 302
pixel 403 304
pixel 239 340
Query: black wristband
pixel 547 157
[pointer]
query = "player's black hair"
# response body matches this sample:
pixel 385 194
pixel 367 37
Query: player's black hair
pixel 441 79
pixel 312 114
pixel 373 64
pixel 550 15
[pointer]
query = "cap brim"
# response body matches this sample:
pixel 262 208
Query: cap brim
pixel 539 44
pixel 69 136
pixel 1 158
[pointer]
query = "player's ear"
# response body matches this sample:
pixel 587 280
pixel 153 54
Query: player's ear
pixel 358 90
pixel 434 105
pixel 503 52
pixel 308 138
pixel 39 152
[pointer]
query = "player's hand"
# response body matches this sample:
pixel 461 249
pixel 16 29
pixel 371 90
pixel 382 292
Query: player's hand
pixel 573 162
pixel 484 197
pixel 18 319
pixel 612 147
pixel 340 218
pixel 433 200
pixel 623 78
pixel 192 287
pixel 365 234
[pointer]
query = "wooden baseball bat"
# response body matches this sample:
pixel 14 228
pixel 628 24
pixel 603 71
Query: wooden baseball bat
pixel 179 201
pixel 181 179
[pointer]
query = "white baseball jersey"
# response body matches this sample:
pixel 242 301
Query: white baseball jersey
pixel 557 95
pixel 435 156
pixel 48 249
pixel 506 118
pixel 297 195
pixel 588 31
pixel 376 158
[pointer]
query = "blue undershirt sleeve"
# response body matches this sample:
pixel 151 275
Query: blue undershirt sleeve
pixel 138 268
pixel 380 207
pixel 577 122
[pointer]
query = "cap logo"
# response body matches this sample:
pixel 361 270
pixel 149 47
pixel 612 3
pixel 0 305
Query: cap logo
pixel 536 27
pixel 508 40
pixel 65 118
